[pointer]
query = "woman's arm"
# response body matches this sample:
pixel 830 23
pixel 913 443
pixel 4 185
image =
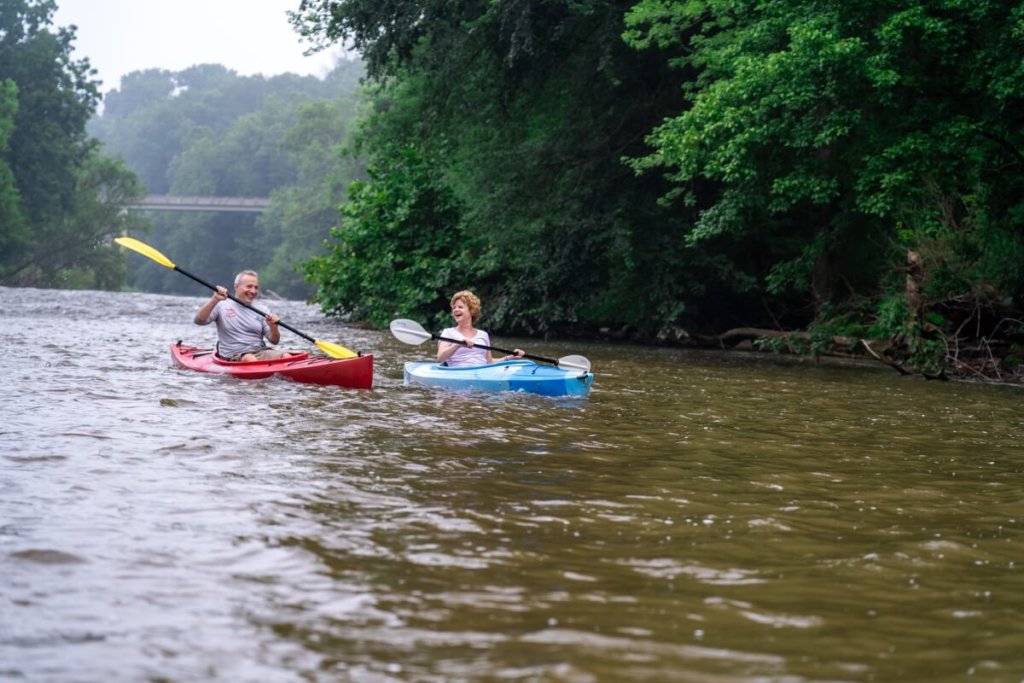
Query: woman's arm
pixel 445 351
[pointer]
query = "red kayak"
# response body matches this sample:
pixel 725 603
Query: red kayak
pixel 353 373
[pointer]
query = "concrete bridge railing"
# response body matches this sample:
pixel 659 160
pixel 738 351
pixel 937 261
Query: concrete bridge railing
pixel 173 203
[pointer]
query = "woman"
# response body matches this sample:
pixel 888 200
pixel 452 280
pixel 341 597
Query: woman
pixel 465 312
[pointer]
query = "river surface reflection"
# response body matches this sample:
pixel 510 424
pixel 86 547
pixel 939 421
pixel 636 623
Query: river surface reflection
pixel 701 517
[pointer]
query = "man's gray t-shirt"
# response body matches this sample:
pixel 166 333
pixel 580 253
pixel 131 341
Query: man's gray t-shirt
pixel 239 329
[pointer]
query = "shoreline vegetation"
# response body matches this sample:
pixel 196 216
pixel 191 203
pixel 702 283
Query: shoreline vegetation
pixel 987 360
pixel 963 355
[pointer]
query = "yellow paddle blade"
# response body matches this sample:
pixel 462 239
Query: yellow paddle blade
pixel 334 350
pixel 145 250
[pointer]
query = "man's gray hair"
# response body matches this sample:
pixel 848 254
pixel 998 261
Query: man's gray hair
pixel 238 278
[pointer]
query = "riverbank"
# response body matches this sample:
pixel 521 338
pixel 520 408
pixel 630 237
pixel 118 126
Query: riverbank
pixel 936 354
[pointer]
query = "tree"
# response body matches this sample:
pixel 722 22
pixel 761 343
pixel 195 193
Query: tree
pixel 14 234
pixel 76 252
pixel 393 253
pixel 142 125
pixel 50 172
pixel 839 137
pixel 55 100
pixel 306 211
pixel 522 111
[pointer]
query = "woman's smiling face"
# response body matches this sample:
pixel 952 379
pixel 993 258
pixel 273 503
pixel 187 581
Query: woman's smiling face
pixel 460 311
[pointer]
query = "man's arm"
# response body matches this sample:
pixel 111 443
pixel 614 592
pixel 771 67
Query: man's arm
pixel 275 331
pixel 203 314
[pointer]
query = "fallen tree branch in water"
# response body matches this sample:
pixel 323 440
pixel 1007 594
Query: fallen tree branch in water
pixel 884 359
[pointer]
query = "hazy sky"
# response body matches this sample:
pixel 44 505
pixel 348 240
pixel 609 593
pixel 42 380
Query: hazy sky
pixel 248 36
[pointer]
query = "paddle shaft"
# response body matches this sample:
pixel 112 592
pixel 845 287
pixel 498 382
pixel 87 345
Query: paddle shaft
pixel 494 348
pixel 242 303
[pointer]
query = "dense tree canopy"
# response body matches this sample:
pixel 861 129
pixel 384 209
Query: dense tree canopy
pixel 658 164
pixel 841 136
pixel 201 131
pixel 521 112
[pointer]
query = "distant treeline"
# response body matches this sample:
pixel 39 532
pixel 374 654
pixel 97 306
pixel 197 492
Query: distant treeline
pixel 207 131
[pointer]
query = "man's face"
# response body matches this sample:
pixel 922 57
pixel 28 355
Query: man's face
pixel 247 289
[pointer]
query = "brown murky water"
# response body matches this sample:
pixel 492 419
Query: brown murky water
pixel 699 518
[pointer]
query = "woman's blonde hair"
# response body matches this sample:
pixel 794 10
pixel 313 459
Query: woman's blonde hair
pixel 472 302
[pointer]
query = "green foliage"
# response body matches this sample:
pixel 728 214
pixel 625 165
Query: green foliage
pixel 891 317
pixel 154 115
pixel 76 252
pixel 14 235
pixel 396 252
pixel 316 145
pixel 926 354
pixel 55 100
pixel 206 131
pixel 524 111
pixel 60 201
pixel 828 127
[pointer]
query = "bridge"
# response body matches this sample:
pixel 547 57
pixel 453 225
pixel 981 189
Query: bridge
pixel 157 202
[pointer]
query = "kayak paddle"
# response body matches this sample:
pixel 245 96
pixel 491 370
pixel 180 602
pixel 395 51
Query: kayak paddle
pixel 411 332
pixel 332 350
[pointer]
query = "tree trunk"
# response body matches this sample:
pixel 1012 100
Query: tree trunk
pixel 915 275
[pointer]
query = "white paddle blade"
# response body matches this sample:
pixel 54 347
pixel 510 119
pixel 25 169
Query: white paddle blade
pixel 409 331
pixel 574 363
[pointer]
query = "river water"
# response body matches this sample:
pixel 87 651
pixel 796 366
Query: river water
pixel 700 517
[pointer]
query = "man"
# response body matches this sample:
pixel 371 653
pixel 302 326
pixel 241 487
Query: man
pixel 241 333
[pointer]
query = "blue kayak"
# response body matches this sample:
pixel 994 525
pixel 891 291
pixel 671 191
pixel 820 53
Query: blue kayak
pixel 509 375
